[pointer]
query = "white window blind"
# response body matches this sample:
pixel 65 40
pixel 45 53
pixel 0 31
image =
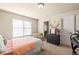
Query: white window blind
pixel 27 28
pixel 21 28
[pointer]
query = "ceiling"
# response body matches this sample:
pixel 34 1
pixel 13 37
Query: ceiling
pixel 32 10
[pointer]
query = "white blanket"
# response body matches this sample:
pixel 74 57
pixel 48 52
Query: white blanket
pixel 2 46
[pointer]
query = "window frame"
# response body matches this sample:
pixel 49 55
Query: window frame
pixel 22 28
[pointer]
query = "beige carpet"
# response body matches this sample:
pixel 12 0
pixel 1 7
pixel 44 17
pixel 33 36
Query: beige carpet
pixel 50 49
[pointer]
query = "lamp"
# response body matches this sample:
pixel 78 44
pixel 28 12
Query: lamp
pixel 40 5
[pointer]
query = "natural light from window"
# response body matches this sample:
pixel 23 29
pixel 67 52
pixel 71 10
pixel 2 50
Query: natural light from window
pixel 21 28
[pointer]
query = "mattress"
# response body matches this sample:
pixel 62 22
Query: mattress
pixel 36 41
pixel 24 45
pixel 36 49
pixel 37 44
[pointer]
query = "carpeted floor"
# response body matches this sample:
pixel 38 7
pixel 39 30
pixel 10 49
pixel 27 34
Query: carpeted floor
pixel 50 49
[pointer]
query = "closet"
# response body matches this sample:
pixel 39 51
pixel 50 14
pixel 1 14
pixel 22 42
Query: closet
pixel 70 23
pixel 77 21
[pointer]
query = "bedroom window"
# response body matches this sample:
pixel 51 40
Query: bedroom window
pixel 21 28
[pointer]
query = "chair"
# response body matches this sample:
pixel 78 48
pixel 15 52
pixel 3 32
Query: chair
pixel 74 41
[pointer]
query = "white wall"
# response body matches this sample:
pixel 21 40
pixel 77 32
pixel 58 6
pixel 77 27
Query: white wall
pixel 57 18
pixel 6 23
pixel 52 20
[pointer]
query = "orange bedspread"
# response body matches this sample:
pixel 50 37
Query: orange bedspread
pixel 19 47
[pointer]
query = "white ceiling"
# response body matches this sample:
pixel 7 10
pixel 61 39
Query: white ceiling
pixel 32 10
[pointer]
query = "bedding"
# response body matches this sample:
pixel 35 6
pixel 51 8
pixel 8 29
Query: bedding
pixel 37 49
pixel 22 45
pixel 2 45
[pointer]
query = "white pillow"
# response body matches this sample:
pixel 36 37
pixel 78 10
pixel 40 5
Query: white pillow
pixel 2 45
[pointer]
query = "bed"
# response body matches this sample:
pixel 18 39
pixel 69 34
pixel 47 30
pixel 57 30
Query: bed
pixel 23 46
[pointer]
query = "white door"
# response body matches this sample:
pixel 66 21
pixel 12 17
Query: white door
pixel 77 21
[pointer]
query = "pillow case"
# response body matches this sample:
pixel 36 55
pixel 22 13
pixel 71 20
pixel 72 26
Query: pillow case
pixel 2 45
